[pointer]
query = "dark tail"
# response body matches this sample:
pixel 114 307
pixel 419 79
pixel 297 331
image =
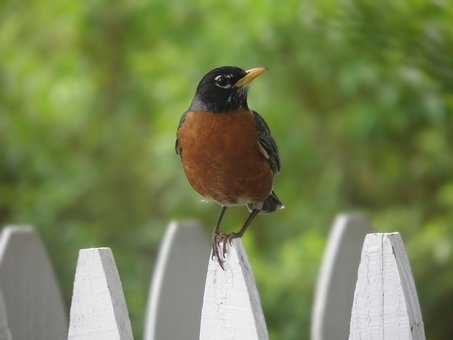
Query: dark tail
pixel 270 204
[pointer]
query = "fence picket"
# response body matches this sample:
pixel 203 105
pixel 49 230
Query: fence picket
pixel 385 303
pixel 33 303
pixel 4 330
pixel 338 274
pixel 98 309
pixel 176 290
pixel 385 300
pixel 231 304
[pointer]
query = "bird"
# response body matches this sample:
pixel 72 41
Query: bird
pixel 227 150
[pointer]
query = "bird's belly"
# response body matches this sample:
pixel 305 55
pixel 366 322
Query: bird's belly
pixel 221 158
pixel 228 182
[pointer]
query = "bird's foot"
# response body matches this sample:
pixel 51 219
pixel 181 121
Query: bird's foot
pixel 220 244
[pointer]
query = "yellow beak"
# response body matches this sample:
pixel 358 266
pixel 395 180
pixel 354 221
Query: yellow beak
pixel 250 75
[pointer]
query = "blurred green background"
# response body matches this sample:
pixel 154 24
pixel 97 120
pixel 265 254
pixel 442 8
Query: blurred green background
pixel 359 96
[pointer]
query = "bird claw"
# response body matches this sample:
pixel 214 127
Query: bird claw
pixel 220 244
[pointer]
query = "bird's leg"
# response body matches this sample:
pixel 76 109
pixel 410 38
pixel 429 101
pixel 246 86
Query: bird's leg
pixel 217 237
pixel 241 232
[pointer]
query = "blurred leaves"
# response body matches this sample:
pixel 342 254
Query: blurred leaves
pixel 359 98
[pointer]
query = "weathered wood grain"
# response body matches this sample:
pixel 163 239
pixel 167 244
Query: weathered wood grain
pixel 231 304
pixel 176 292
pixel 385 301
pixel 337 278
pixel 32 298
pixel 98 309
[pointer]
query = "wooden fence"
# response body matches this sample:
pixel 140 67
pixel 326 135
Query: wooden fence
pixel 365 290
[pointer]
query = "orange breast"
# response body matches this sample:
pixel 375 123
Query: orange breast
pixel 221 157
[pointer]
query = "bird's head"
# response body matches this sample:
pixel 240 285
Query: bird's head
pixel 224 89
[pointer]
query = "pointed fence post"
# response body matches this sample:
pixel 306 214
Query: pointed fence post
pixel 176 292
pixel 4 330
pixel 98 309
pixel 337 278
pixel 33 303
pixel 385 301
pixel 231 304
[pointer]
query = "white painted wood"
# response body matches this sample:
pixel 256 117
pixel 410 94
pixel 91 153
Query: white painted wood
pixel 98 309
pixel 337 278
pixel 176 292
pixel 33 302
pixel 385 301
pixel 5 334
pixel 231 304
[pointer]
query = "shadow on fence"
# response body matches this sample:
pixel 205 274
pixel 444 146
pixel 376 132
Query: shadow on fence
pixel 365 290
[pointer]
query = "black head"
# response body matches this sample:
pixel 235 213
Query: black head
pixel 224 89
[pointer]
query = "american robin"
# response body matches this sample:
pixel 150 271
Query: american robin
pixel 227 150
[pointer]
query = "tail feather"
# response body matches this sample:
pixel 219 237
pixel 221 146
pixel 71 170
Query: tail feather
pixel 269 205
pixel 272 203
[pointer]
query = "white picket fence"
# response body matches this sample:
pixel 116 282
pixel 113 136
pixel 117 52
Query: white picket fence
pixel 365 291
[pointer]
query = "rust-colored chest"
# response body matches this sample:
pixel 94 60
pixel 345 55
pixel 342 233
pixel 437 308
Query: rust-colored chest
pixel 221 157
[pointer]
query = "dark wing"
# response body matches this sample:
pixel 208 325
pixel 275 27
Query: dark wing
pixel 177 146
pixel 267 144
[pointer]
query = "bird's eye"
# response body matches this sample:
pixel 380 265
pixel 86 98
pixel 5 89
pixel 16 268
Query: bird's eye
pixel 222 81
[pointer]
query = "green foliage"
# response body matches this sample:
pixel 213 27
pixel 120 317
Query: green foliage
pixel 359 98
